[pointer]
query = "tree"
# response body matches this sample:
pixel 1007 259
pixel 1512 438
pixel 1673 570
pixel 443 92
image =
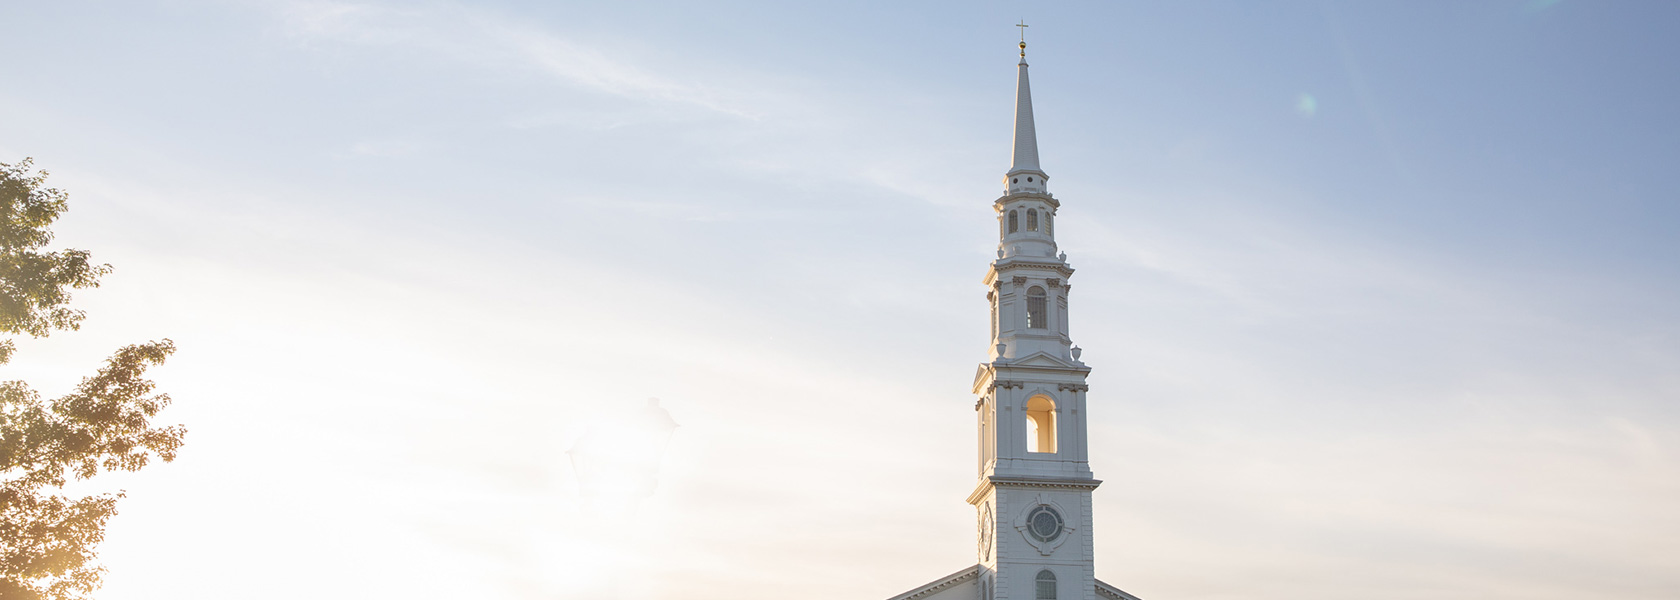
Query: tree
pixel 47 539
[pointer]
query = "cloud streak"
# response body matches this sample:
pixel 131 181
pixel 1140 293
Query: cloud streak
pixel 488 40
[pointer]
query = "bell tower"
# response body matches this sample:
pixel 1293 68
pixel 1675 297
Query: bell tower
pixel 1033 497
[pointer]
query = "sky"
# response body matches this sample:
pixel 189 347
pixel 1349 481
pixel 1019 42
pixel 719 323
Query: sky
pixel 1382 298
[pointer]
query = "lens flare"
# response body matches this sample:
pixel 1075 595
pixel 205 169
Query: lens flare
pixel 617 458
pixel 1306 105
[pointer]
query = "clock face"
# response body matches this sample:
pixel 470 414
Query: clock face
pixel 1044 523
pixel 986 532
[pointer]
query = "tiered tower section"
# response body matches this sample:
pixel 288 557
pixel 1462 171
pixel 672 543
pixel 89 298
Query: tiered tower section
pixel 1034 493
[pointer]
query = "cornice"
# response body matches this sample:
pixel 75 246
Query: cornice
pixel 1043 483
pixel 986 379
pixel 998 374
pixel 998 204
pixel 981 377
pixel 1017 384
pixel 939 585
pixel 1023 262
pixel 1005 383
pixel 1113 593
pixel 1003 369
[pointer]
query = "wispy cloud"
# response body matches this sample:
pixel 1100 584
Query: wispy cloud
pixel 490 40
pixel 395 148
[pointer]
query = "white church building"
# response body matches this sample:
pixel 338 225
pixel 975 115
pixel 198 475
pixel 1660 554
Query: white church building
pixel 1033 497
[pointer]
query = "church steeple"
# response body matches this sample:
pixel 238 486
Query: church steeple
pixel 1033 496
pixel 1035 483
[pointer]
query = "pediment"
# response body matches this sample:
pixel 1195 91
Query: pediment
pixel 1113 593
pixel 943 584
pixel 981 374
pixel 1037 360
pixel 1044 359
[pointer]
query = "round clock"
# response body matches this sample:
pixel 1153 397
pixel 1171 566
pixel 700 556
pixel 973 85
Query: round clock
pixel 1044 523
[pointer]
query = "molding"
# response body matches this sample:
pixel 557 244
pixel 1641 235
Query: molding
pixel 1047 197
pixel 1040 390
pixel 1026 262
pixel 941 584
pixel 1018 261
pixel 1017 481
pixel 981 376
pixel 1113 593
pixel 1044 548
pixel 1056 363
pixel 1006 383
pixel 1002 373
pixel 1076 387
pixel 1044 482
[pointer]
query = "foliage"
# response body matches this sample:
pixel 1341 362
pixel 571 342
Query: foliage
pixel 47 539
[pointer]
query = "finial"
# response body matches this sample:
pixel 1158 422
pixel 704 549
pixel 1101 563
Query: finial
pixel 1023 26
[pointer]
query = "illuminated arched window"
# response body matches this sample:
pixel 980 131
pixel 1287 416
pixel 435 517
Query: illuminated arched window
pixel 1014 222
pixel 1032 219
pixel 1036 317
pixel 1046 585
pixel 1041 424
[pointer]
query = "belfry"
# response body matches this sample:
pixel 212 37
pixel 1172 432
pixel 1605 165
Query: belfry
pixel 1033 497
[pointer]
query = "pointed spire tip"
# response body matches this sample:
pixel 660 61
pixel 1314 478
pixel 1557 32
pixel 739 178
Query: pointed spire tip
pixel 1023 26
pixel 1025 155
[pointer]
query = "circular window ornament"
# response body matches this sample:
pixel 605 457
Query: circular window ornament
pixel 1044 523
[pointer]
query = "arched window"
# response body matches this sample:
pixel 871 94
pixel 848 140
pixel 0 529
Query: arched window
pixel 1046 585
pixel 1014 222
pixel 1032 219
pixel 1048 229
pixel 1035 309
pixel 1041 424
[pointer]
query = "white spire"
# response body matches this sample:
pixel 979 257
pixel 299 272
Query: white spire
pixel 1026 138
pixel 1024 174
